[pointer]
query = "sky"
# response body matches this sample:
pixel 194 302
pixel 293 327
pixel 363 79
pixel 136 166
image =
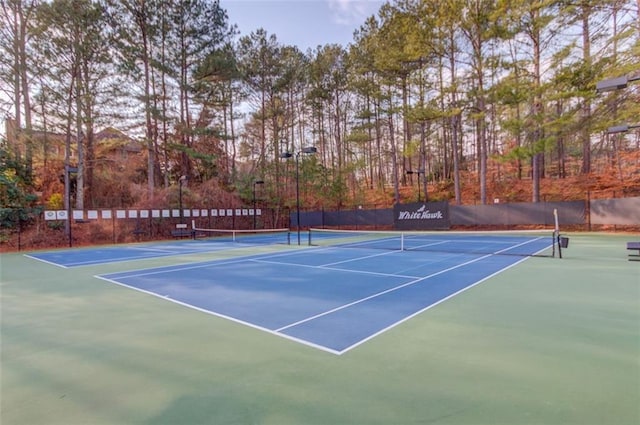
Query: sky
pixel 303 23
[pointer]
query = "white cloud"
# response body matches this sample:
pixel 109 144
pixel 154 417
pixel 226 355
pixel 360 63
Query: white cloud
pixel 349 12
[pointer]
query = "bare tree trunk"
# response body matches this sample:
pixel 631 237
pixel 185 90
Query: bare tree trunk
pixel 144 37
pixel 586 105
pixel 536 110
pixel 26 99
pixel 89 162
pixel 67 157
pixel 17 15
pixel 394 156
pixel 78 93
pixel 455 123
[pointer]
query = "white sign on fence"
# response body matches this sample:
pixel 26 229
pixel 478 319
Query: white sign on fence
pixel 146 214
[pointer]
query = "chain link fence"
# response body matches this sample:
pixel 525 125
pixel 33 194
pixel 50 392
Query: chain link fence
pixel 38 228
pixel 35 228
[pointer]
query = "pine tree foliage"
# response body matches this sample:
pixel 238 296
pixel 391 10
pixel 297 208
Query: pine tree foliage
pixel 495 91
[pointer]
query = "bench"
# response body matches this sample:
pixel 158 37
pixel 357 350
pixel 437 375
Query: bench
pixel 138 232
pixel 634 246
pixel 182 233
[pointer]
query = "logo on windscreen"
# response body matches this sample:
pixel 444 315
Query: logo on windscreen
pixel 421 213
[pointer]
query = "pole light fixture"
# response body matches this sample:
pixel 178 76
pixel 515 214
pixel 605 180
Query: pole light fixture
pixel 309 150
pixel 623 128
pixel 256 182
pixel 612 84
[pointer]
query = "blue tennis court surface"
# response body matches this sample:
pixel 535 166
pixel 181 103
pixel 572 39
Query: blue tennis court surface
pixel 328 298
pixel 113 254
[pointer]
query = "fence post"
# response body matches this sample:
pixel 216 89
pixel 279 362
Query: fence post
pixel 19 231
pixel 587 210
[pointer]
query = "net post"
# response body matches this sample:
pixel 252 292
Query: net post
pixel 559 245
pixel 556 234
pixel 402 241
pixel 309 237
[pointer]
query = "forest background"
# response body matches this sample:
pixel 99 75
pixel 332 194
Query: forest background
pixel 465 101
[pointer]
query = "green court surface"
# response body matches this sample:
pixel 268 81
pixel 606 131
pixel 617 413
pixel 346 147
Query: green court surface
pixel 548 341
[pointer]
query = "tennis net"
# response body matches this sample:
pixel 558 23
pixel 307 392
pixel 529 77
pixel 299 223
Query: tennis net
pixel 251 237
pixel 519 243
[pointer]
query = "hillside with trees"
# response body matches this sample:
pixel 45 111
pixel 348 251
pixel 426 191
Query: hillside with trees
pixel 465 101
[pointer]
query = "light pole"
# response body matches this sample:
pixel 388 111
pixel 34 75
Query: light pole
pixel 181 180
pixel 68 170
pixel 254 200
pixel 309 150
pixel 418 172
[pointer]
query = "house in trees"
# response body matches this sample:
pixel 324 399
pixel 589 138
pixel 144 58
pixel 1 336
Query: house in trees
pixel 110 159
pixel 110 144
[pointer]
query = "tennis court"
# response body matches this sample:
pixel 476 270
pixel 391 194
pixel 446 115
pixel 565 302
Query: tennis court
pixel 329 298
pixel 226 240
pixel 541 340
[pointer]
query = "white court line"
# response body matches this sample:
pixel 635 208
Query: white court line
pixel 386 291
pixel 334 269
pixel 174 268
pixel 222 262
pixel 168 252
pixel 360 258
pixel 223 316
pixel 404 319
pixel 209 263
pixel 141 248
pixel 47 262
pixel 278 332
pixel 413 282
